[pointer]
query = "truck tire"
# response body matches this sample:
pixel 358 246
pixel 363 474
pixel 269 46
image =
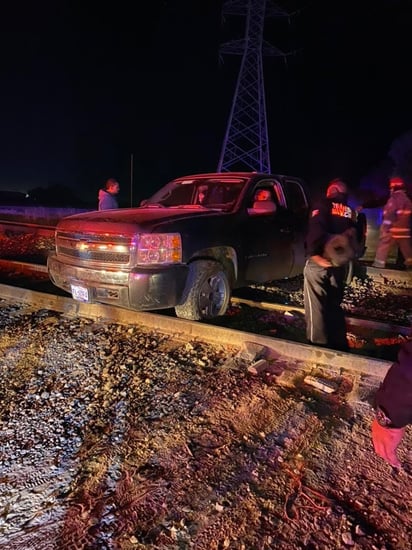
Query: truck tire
pixel 207 292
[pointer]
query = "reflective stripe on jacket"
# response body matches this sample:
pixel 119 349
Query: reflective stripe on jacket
pixel 397 214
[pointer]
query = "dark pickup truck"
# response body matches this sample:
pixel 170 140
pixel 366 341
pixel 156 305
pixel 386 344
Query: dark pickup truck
pixel 188 246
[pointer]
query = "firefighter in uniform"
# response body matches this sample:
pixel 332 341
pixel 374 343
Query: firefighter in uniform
pixel 331 244
pixel 393 406
pixel 396 225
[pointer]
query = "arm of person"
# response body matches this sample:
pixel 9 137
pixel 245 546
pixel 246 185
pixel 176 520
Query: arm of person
pixel 317 236
pixel 393 406
pixel 321 261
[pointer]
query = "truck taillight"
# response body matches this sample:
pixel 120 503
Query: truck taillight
pixel 159 248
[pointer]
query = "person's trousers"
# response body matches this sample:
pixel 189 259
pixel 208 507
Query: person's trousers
pixel 386 241
pixel 323 291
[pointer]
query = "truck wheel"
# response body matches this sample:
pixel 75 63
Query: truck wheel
pixel 207 292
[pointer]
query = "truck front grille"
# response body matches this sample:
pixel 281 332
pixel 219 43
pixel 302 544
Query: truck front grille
pixel 110 250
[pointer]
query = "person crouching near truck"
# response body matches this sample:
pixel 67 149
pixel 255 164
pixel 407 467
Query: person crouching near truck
pixel 331 245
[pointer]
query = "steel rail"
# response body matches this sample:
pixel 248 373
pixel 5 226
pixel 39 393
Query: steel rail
pixel 15 223
pixel 25 227
pixel 11 264
pixel 354 321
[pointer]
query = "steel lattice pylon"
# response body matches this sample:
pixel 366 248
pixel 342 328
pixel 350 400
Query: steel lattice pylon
pixel 246 142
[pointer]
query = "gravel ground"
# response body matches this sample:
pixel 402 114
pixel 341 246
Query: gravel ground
pixel 115 437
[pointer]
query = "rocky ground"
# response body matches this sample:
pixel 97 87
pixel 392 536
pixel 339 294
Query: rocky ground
pixel 115 437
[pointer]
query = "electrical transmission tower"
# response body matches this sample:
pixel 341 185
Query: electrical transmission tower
pixel 246 143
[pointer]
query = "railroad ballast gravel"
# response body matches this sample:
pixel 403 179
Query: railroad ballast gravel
pixel 115 437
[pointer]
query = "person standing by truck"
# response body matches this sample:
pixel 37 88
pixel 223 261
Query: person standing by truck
pixel 396 225
pixel 330 245
pixel 107 196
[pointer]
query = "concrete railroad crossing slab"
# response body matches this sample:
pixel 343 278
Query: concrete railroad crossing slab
pixel 305 356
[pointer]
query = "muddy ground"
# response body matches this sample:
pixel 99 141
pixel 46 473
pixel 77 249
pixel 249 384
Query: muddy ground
pixel 113 437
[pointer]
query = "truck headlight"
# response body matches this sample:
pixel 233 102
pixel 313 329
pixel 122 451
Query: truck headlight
pixel 159 248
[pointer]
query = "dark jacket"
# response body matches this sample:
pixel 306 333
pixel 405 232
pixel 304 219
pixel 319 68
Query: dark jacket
pixel 394 396
pixel 107 201
pixel 332 216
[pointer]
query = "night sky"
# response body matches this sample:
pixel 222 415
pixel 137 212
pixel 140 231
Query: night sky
pixel 87 85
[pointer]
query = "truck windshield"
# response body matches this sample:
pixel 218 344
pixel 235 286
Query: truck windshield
pixel 211 193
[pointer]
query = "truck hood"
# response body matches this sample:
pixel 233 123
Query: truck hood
pixel 131 220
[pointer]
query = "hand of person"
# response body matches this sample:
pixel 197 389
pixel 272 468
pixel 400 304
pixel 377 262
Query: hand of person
pixel 321 261
pixel 386 441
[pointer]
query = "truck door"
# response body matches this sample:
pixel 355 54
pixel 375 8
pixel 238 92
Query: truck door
pixel 297 206
pixel 268 237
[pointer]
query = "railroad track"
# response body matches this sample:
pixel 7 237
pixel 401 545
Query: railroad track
pixel 30 273
pixel 10 227
pixel 302 354
pixel 390 328
pixel 293 350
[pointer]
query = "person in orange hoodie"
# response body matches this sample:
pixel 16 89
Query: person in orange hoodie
pixel 393 407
